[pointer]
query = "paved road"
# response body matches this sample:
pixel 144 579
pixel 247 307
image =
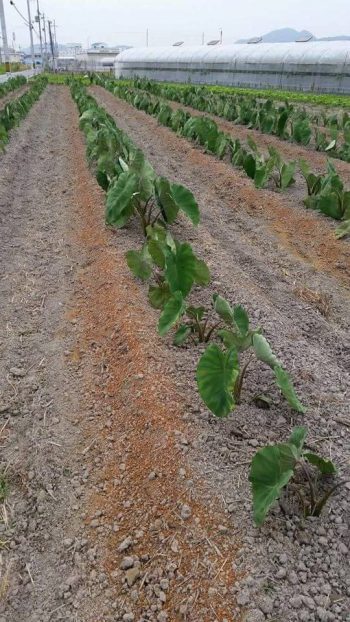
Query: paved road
pixel 28 73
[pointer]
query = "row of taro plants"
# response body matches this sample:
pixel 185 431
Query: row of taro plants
pixel 173 271
pixel 16 110
pixel 286 121
pixel 325 194
pixel 11 85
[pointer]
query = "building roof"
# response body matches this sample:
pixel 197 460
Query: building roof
pixel 312 52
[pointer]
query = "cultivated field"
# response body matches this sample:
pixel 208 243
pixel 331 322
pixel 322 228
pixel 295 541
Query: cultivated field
pixel 175 358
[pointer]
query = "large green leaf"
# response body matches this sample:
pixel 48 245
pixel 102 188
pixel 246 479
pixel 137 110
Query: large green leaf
pixel 181 334
pixel 285 384
pixel 180 268
pixel 287 174
pixel 173 310
pixel 241 319
pixel 165 199
pixel 185 200
pixel 144 173
pixel 201 272
pixel 326 467
pixel 139 264
pixel 156 250
pixel 217 373
pixel 249 165
pixel 120 197
pixel 330 205
pixel 271 469
pixel 224 310
pixel 263 351
pixel 159 295
pixel 343 229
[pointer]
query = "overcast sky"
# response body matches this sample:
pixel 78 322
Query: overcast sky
pixel 126 21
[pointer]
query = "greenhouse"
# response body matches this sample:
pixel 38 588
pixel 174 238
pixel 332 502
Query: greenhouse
pixel 318 66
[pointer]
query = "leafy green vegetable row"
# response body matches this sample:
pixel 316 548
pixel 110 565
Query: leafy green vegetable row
pixel 328 195
pixel 11 85
pixel 16 110
pixel 174 271
pixel 277 95
pixel 282 120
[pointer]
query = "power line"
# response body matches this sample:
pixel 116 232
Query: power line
pixel 24 18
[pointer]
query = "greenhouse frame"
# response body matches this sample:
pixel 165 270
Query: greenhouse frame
pixel 314 66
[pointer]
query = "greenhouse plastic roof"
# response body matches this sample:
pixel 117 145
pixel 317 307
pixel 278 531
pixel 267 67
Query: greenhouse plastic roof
pixel 312 52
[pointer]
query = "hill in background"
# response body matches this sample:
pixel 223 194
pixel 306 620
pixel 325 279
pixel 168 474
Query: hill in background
pixel 286 35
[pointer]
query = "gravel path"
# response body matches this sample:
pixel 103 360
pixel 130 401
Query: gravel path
pixel 250 265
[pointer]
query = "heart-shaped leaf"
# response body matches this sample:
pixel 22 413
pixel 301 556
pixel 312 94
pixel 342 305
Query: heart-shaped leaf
pixel 217 373
pixel 271 469
pixel 173 310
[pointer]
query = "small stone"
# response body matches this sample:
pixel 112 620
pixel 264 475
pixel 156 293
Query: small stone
pixel 164 584
pixel 127 563
pixel 185 512
pixel 292 577
pixel 281 573
pixel 128 617
pixel 152 475
pixel 17 372
pixel 296 602
pixel 254 615
pixel 322 614
pixel 123 546
pixel 132 575
pixel 175 546
pixel 243 598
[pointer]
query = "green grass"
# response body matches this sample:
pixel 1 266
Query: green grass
pixel 61 78
pixel 13 67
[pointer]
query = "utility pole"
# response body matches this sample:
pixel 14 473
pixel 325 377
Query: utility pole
pixel 55 37
pixel 38 20
pixel 221 36
pixel 4 37
pixel 45 40
pixel 52 45
pixel 31 34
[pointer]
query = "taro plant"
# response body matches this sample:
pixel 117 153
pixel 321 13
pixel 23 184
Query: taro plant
pixel 301 129
pixel 256 166
pixel 133 189
pixel 197 326
pixel 283 172
pixel 331 198
pixel 221 370
pixel 274 466
pixel 313 181
pixel 174 269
